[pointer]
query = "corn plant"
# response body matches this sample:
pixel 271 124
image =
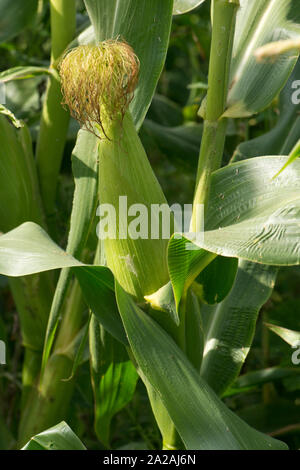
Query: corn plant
pixel 179 312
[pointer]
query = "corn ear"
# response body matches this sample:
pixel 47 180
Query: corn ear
pixel 139 265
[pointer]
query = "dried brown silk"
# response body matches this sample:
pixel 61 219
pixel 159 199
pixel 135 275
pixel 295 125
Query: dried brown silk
pixel 98 82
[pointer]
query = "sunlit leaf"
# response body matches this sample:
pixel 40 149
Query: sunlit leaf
pixel 282 138
pixel 19 73
pixel 253 85
pixel 84 165
pixel 201 419
pixel 252 216
pixel 183 6
pixel 289 336
pixel 232 325
pixel 60 437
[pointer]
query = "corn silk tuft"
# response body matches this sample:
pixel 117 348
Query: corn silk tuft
pixel 98 82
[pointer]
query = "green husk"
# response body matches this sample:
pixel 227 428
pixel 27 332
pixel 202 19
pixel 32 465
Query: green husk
pixel 98 84
pixel 139 265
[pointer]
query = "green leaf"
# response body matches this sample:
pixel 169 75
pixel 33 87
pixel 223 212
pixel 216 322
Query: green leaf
pixel 289 336
pixel 145 25
pixel 260 278
pixel 246 215
pixel 86 36
pixel 165 112
pixel 29 250
pixel 163 300
pixel 274 49
pixel 217 279
pixel 77 350
pixel 194 331
pixel 295 153
pixel 255 84
pixel 232 325
pixel 201 419
pixel 22 199
pixel 84 165
pixel 16 16
pixel 6 112
pixel 283 137
pixel 163 311
pixel 252 216
pixel 180 143
pixel 114 378
pixel 7 440
pixel 183 6
pixel 251 380
pixel 60 437
pixel 22 98
pixel 279 418
pixel 18 73
pixel 97 284
pixel 20 196
pixel 185 265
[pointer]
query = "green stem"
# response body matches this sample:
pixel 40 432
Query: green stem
pixel 267 389
pixel 171 438
pixel 32 296
pixel 212 147
pixel 63 25
pixel 72 319
pixel 54 120
pixel 48 403
pixel 213 139
pixel 210 158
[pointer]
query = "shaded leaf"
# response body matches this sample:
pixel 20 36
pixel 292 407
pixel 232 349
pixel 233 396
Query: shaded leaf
pixel 217 279
pixel 15 16
pixel 97 284
pixel 247 382
pixel 179 143
pixel 114 378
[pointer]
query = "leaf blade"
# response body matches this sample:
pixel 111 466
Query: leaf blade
pixel 201 419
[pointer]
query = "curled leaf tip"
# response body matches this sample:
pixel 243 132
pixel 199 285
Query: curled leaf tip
pixel 98 82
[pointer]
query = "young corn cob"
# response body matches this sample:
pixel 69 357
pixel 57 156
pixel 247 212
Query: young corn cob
pixel 98 83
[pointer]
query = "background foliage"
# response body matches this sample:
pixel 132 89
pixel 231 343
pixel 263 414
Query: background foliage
pixel 266 395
